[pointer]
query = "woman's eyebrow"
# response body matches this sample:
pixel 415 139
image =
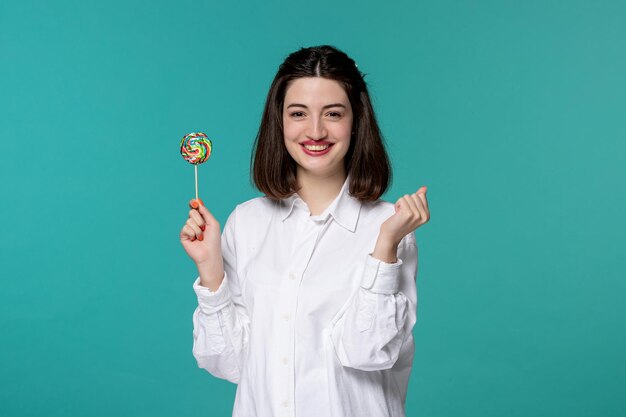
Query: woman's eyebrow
pixel 323 108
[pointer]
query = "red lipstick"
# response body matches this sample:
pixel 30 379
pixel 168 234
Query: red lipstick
pixel 312 152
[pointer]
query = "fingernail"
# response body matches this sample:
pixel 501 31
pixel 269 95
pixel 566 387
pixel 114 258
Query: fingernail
pixel 202 227
pixel 201 202
pixel 201 238
pixel 193 238
pixel 194 204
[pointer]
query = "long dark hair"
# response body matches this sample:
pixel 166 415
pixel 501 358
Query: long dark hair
pixel 366 162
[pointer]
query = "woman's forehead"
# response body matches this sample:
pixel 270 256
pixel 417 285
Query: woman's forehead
pixel 315 91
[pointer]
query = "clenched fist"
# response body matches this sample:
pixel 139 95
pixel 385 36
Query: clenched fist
pixel 411 213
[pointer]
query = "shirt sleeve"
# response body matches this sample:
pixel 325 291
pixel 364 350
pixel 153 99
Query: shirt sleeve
pixel 375 329
pixel 220 322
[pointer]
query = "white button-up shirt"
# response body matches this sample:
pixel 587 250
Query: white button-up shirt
pixel 306 321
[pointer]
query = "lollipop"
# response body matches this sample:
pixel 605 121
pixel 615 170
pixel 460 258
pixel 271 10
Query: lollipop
pixel 196 148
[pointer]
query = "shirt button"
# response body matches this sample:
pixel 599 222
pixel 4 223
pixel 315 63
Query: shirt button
pixel 286 317
pixel 285 360
pixel 285 404
pixel 292 276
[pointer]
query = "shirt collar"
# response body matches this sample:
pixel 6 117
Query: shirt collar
pixel 286 205
pixel 344 209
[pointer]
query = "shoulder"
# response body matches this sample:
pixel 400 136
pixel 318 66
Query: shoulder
pixel 256 206
pixel 379 209
pixel 253 210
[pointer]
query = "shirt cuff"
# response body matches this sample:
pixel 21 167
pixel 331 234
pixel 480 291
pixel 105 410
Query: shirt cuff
pixel 209 301
pixel 381 277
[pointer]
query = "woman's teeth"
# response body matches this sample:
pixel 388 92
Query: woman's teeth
pixel 316 147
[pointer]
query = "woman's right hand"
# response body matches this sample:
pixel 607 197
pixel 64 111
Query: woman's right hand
pixel 201 238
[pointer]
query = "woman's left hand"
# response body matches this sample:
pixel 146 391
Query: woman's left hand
pixel 411 213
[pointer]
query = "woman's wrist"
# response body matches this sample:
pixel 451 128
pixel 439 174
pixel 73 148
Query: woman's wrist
pixel 386 249
pixel 211 274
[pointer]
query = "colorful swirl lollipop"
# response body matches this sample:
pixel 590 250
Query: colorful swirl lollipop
pixel 195 148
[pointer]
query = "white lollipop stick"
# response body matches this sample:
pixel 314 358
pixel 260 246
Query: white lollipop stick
pixel 196 169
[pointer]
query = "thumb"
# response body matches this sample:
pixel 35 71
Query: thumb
pixel 206 214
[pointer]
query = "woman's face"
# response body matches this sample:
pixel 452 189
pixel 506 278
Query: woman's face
pixel 317 125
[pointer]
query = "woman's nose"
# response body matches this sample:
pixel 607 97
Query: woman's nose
pixel 317 130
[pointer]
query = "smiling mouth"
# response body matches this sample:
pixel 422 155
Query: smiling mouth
pixel 316 148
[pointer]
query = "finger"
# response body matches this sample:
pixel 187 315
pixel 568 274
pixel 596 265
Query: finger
pixel 206 215
pixel 196 229
pixel 420 207
pixel 187 233
pixel 411 205
pixel 197 218
pixel 422 197
pixel 400 205
pixel 404 206
pixel 195 203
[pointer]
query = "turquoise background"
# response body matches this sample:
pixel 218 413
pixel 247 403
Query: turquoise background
pixel 511 112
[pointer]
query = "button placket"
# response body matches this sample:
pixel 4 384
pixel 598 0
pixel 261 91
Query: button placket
pixel 304 245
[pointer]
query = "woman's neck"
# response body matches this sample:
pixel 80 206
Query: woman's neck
pixel 319 191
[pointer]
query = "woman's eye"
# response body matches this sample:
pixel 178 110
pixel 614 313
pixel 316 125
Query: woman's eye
pixel 297 114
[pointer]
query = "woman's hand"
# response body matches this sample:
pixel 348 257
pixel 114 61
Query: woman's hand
pixel 411 213
pixel 201 238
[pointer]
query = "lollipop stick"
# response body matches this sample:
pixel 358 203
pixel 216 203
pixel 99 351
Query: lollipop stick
pixel 196 169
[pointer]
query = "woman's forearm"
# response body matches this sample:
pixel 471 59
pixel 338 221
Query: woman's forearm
pixel 386 249
pixel 211 273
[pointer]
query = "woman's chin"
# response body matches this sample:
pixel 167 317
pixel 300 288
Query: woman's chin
pixel 321 170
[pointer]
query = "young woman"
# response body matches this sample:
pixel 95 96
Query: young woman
pixel 308 298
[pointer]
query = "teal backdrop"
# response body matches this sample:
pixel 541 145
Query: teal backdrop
pixel 511 112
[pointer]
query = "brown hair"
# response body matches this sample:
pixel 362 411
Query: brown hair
pixel 366 162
